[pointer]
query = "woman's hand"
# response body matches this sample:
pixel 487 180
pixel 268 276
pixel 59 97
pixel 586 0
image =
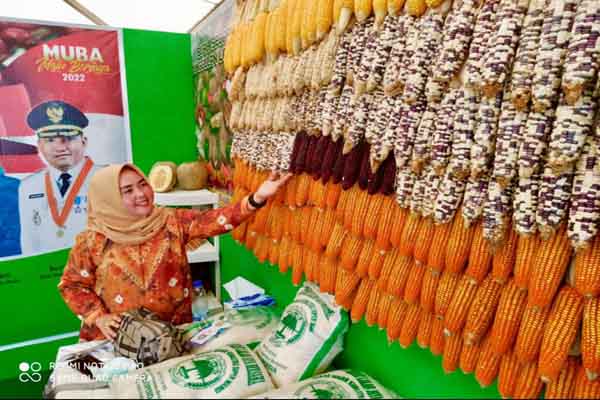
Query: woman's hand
pixel 109 325
pixel 269 187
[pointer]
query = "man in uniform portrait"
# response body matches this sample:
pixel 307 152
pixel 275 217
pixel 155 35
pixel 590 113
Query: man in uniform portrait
pixel 53 201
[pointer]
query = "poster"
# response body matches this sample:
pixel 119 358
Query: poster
pixel 62 117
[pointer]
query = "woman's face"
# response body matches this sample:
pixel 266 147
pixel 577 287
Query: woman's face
pixel 137 194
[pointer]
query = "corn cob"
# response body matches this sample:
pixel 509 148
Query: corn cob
pixel 350 252
pixel 324 18
pixel 561 329
pixel 311 265
pixel 399 216
pixel 409 235
pixel 274 252
pixel 337 239
pixel 587 281
pixel 590 338
pixel 394 7
pixel 383 49
pixel 462 136
pixel 357 197
pixel 329 58
pixel 391 220
pixel 431 280
pixel 366 253
pixel 488 364
pixel 285 249
pixel 357 47
pixel 409 124
pixel 346 284
pixel 360 213
pixel 534 142
pixel 327 229
pixel 399 276
pixel 397 81
pixel 391 83
pixel 437 339
pixel 442 134
pixel 531 333
pixel 527 248
pixel 376 263
pixel 481 312
pixel 261 251
pixel 564 386
pixel 508 375
pixel 332 197
pixel 504 258
pixel 372 312
pixel 372 217
pixel 340 209
pixel 451 356
pixel 458 246
pixel 585 388
pixel 474 199
pixel 386 270
pixel 551 261
pixel 251 239
pixel 422 145
pixel 424 330
pixel 553 200
pixel 306 219
pixel 380 11
pixel 584 211
pixel 352 165
pixel 445 292
pixel 424 238
pixel 309 23
pixel 469 355
pixel 510 310
pixel 582 54
pixel 414 282
pixel 327 275
pixel 359 306
pixel 484 139
pixel 528 385
pixel 496 213
pixel 483 34
pixel 363 10
pixel 405 180
pixel 397 314
pixel 458 309
pixel 554 40
pixel 341 64
pixel 347 7
pixel 385 305
pixel 367 58
pixel 410 326
pixel 437 250
pixel 416 8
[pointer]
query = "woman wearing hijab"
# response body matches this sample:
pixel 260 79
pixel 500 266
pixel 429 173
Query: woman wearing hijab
pixel 133 255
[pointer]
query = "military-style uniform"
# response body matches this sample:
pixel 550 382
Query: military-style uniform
pixel 53 205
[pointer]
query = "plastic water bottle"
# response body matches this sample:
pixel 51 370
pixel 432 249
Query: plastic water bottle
pixel 199 301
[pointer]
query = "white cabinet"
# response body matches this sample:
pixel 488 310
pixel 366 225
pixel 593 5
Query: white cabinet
pixel 208 252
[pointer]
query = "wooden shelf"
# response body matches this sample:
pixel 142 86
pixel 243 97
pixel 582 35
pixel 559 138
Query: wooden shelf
pixel 186 198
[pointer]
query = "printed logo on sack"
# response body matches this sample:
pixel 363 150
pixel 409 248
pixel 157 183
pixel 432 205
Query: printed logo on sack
pixel 291 328
pixel 30 372
pixel 206 372
pixel 321 389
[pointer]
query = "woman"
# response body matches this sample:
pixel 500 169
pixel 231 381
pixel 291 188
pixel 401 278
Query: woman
pixel 133 254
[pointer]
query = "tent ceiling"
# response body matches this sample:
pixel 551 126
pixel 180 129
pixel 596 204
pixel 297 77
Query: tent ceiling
pixel 160 15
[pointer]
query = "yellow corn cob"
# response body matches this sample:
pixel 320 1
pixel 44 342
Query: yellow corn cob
pixel 385 304
pixel 337 8
pixel 296 226
pixel 587 269
pixel 239 233
pixel 287 219
pixel 436 258
pixel 459 245
pixel 526 248
pixel 280 196
pixel 386 271
pixel 395 7
pixel 324 18
pixel 380 11
pixel 410 326
pixel 297 264
pixel 333 194
pixel 504 258
pixel 508 375
pixel 434 3
pixel 262 248
pixel 551 262
pixel 302 190
pixel 437 340
pixel 311 265
pixel 373 306
pixel 284 254
pixel 327 275
pixel 314 237
pixel 451 355
pixel 584 388
pixel 296 28
pixel 245 30
pixel 416 8
pixel 289 26
pixel 340 210
pixel 531 333
pixel 488 364
pixel 351 250
pixel 229 68
pixel 290 192
pixel 356 196
pixel 363 9
pixel 445 292
pixel 463 296
pixel 505 328
pixel 306 224
pixel 251 238
pixel 359 306
pixel 308 31
pixel 480 256
pixel 334 247
pixel 273 248
pixel 279 30
pixel 424 331
pixel 469 355
pixel 372 218
pixel 414 283
pixel 590 338
pixel 482 310
pixel 424 240
pixel 409 235
pixel 327 229
pixel 561 329
pixel 431 280
pixel 359 213
pixel 400 217
pixel 399 276
pixel 528 384
pixel 345 15
pixel 259 37
pixel 376 263
pixel 313 190
pixel 269 48
pixel 346 284
pixel 387 222
pixel 366 254
pixel 396 318
pixel 564 386
pixel 260 221
pixel 279 215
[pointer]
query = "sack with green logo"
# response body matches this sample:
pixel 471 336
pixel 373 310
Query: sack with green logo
pixel 343 384
pixel 229 372
pixel 309 336
pixel 243 326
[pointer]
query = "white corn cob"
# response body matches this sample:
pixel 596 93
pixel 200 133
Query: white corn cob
pixel 379 111
pixel 534 143
pixel 391 85
pixel 583 54
pixel 474 199
pixel 418 194
pixel 237 84
pixel 328 112
pixel 383 49
pixel 405 180
pixel 433 182
pixel 369 53
pixel 441 146
pixel 496 213
pixel 450 195
pixel 329 58
pixel 358 123
pixel 341 63
pixel 556 32
pixel 553 199
pixel 388 123
pixel 357 48
pixel 310 64
pixel 499 58
pixel 462 136
pixel 405 138
pixel 410 48
pixel 484 139
pixel 343 113
pixel 584 213
pixel 525 59
pixel 423 139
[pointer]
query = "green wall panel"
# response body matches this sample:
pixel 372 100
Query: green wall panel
pixel 412 372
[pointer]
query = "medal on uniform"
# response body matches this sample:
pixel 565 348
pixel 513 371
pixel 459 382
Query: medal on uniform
pixel 37 220
pixel 60 219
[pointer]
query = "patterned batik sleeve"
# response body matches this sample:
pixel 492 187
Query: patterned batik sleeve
pixel 78 281
pixel 203 224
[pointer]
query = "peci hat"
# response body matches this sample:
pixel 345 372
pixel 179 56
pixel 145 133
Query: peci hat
pixel 56 118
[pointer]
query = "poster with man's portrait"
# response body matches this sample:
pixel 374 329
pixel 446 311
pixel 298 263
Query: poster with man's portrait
pixel 62 117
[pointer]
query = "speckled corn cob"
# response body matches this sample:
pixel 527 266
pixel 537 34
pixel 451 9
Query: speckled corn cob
pixel 343 114
pixel 496 213
pixel 402 50
pixel 484 139
pixel 474 200
pixel 449 197
pixel 483 34
pixel 357 48
pixel 382 139
pixel 385 41
pixel 404 185
pixel 462 137
pixel 408 127
pixel 341 64
pixel 441 141
pixel 424 135
pixel 369 53
pixel 553 200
